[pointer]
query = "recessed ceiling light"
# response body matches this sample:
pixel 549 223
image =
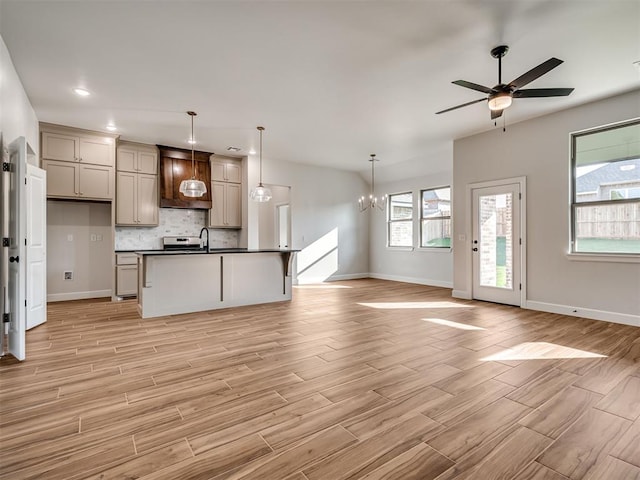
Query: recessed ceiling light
pixel 81 92
pixel 111 127
pixel 233 149
pixel 252 152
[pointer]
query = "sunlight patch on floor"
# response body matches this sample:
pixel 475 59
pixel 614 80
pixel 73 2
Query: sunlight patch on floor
pixel 415 305
pixel 320 286
pixel 449 323
pixel 540 351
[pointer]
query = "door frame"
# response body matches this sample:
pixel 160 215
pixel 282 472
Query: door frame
pixel 522 181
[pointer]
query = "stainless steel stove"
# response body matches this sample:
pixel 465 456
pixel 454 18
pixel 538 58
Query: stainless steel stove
pixel 181 243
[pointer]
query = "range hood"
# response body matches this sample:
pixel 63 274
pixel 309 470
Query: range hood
pixel 175 166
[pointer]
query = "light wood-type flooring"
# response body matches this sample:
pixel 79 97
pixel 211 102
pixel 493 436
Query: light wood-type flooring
pixel 361 379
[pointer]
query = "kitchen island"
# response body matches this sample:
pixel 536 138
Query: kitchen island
pixel 185 281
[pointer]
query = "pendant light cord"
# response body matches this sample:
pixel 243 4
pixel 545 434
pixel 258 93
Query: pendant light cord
pixel 261 129
pixel 193 143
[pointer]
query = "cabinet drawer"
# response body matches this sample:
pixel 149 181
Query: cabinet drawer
pixel 126 259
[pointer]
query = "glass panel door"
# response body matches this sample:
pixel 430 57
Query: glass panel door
pixel 496 244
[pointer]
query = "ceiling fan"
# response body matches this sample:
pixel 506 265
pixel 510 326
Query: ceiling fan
pixel 501 96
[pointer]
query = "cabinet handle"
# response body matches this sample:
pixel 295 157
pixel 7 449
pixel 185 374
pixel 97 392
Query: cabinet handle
pixel 80 158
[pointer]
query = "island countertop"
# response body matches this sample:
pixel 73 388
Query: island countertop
pixel 213 251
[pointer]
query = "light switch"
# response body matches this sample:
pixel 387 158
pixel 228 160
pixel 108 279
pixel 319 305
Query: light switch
pixel 69 238
pixel 93 237
pixel 99 238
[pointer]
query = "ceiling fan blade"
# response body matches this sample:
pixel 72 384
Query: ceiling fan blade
pixel 473 86
pixel 542 92
pixel 460 106
pixel 496 114
pixel 535 72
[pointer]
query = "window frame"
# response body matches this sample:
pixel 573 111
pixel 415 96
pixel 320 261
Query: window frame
pixel 404 220
pixel 421 218
pixel 574 204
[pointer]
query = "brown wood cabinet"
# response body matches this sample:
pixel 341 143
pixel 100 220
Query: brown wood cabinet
pixel 175 166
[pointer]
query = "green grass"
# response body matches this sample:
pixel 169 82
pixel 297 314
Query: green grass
pixel 607 245
pixel 439 242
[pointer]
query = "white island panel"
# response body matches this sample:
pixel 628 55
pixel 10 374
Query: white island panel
pixel 255 278
pixel 170 284
pixel 178 284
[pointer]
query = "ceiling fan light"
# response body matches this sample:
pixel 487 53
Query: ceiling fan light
pixel 500 101
pixel 193 188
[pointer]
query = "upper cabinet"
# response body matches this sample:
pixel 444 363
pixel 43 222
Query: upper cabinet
pixel 137 158
pixel 79 162
pixel 175 166
pixel 226 170
pixel 137 184
pixel 226 188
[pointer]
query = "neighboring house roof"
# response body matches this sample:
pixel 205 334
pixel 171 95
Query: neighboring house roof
pixel 606 174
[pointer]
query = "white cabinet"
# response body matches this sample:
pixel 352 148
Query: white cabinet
pixel 226 170
pixel 137 199
pixel 137 185
pixel 126 274
pixel 226 211
pixel 79 181
pixel 79 163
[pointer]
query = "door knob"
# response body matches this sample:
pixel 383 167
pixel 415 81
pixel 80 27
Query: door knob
pixel 475 249
pixel 14 259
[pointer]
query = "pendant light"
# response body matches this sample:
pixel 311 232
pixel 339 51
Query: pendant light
pixel 372 202
pixel 192 187
pixel 260 193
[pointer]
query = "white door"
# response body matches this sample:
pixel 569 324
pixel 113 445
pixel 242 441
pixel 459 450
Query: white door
pixel 496 244
pixel 36 234
pixel 283 226
pixel 17 265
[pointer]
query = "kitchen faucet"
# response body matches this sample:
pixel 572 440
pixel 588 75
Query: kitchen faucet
pixel 205 229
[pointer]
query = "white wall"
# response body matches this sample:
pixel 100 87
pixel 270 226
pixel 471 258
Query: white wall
pixel 78 240
pixel 17 117
pixel 540 150
pixel 417 265
pixel 325 222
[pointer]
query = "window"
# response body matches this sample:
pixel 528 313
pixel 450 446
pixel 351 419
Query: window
pixel 400 220
pixel 435 217
pixel 606 190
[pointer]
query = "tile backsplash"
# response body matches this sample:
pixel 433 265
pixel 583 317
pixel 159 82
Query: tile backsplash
pixel 172 222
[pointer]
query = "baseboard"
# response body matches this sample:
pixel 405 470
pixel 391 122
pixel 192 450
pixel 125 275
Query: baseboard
pixel 614 317
pixel 463 294
pixel 63 297
pixel 332 278
pixel 419 281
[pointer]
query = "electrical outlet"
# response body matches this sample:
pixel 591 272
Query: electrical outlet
pixel 68 275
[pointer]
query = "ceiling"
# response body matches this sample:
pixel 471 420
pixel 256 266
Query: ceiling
pixel 331 81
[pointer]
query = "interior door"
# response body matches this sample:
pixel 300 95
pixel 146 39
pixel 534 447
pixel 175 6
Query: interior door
pixel 17 265
pixel 496 244
pixel 283 226
pixel 36 264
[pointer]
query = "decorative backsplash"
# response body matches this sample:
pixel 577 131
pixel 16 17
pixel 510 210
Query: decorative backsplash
pixel 172 222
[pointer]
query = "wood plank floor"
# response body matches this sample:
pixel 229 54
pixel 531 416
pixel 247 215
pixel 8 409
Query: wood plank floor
pixel 360 379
